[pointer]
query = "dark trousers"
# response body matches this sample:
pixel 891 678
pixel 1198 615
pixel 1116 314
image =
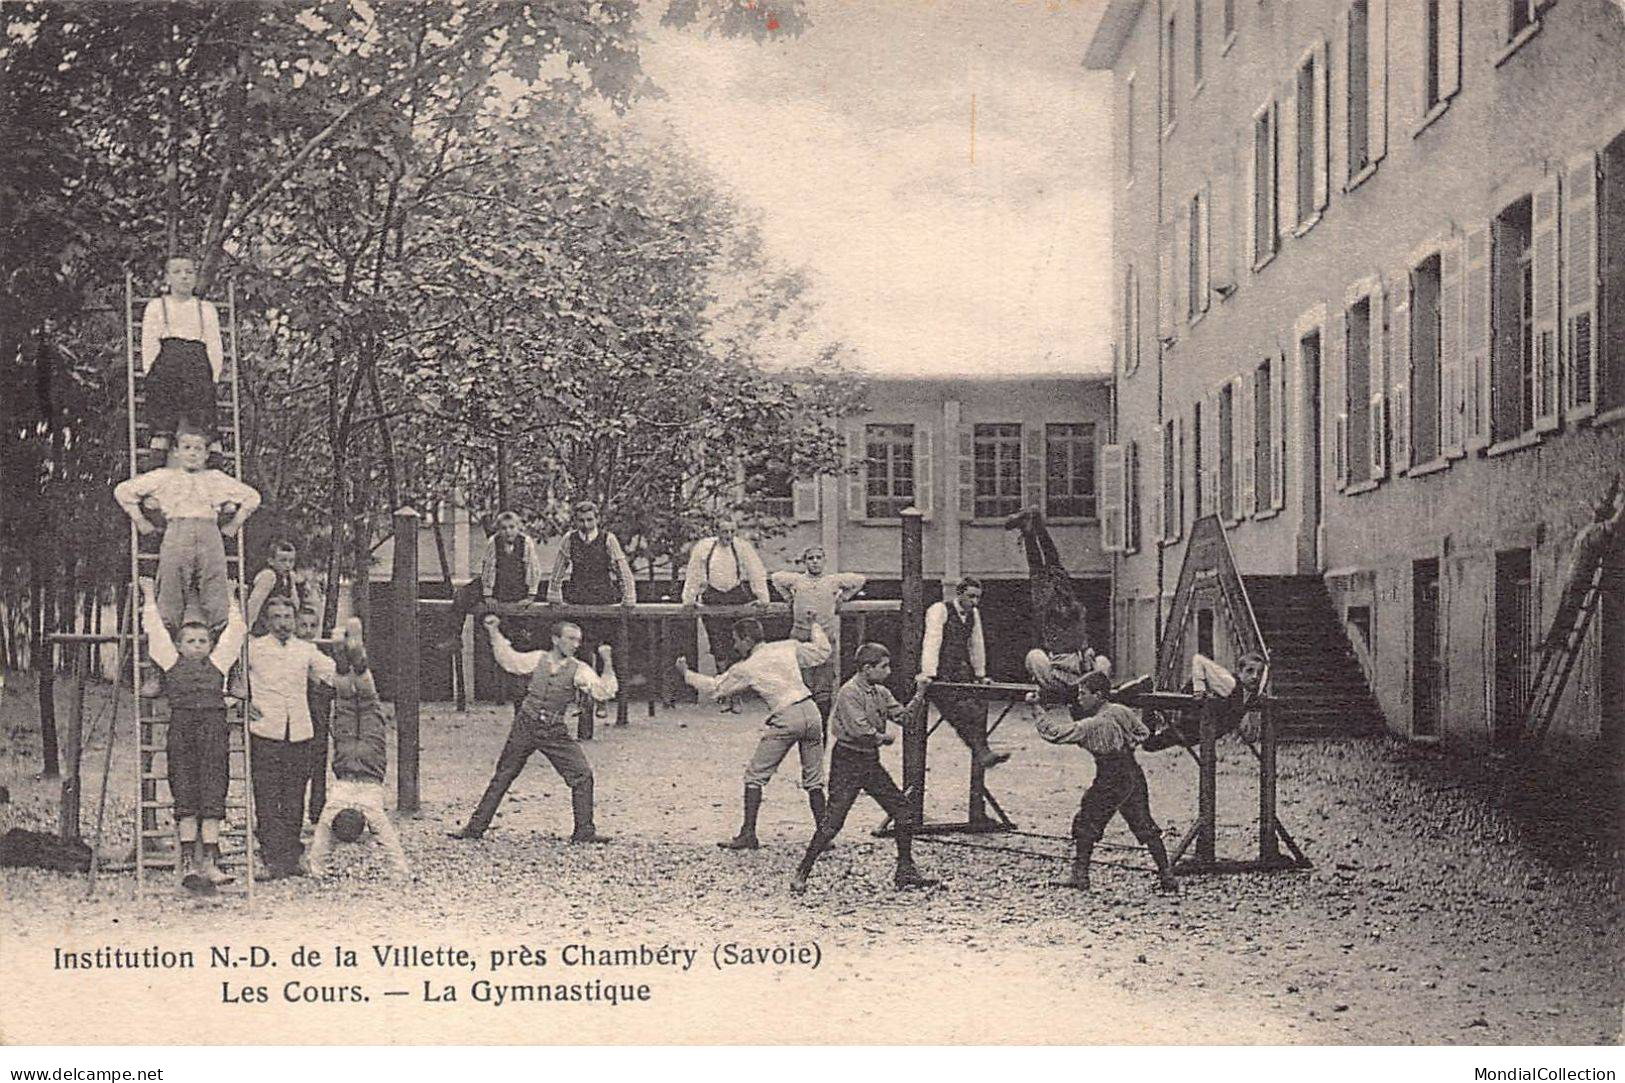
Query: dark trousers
pixel 281 769
pixel 854 771
pixel 552 739
pixel 198 755
pixel 1060 616
pixel 180 387
pixel 967 716
pixel 321 706
pixel 1119 787
pixel 720 630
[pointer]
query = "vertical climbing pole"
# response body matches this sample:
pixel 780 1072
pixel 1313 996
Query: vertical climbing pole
pixel 405 597
pixel 909 634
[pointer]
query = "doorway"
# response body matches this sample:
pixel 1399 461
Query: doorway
pixel 1514 640
pixel 1426 667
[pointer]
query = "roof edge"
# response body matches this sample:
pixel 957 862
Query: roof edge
pixel 1110 34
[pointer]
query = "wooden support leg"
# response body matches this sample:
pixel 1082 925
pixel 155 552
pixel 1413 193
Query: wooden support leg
pixel 1207 798
pixel 914 735
pixel 623 642
pixel 1267 831
pixel 72 740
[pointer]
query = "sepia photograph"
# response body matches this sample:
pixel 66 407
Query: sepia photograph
pixel 813 523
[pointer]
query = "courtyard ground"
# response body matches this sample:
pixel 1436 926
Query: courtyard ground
pixel 1428 917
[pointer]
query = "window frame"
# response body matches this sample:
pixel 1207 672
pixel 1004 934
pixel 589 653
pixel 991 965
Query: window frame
pixel 898 441
pixel 1079 435
pixel 1007 440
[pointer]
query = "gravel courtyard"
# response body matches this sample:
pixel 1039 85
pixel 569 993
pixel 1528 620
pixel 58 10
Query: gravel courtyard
pixel 1426 919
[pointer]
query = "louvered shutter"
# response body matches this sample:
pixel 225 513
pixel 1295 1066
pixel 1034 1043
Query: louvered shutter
pixel 1382 404
pixel 804 500
pixel 1278 421
pixel 1247 212
pixel 1399 367
pixel 1183 283
pixel 857 471
pixel 967 472
pixel 1321 123
pixel 1286 161
pixel 1151 473
pixel 1451 386
pixel 1111 498
pixel 1449 48
pixel 1337 111
pixel 1176 515
pixel 1204 264
pixel 1377 77
pixel 1544 245
pixel 1210 453
pixel 1032 465
pixel 1336 410
pixel 1249 462
pixel 1580 237
pixel 924 478
pixel 1476 337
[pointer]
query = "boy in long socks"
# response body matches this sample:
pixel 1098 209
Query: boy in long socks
pixel 863 708
pixel 540 724
pixel 194 677
pixel 773 671
pixel 1109 731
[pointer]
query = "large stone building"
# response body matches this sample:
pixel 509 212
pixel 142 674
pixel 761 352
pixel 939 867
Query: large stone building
pixel 1370 262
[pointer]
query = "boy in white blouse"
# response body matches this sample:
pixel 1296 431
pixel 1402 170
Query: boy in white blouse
pixel 181 356
pixel 192 558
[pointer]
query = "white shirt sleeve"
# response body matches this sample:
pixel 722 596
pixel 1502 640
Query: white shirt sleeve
pixel 734 680
pixel 601 688
pixel 936 617
pixel 211 339
pixel 152 329
pixel 755 572
pixel 784 582
pixel 622 569
pixel 1208 676
pixel 978 647
pixel 849 583
pixel 816 651
pixel 131 491
pixel 230 648
pixel 320 667
pixel 160 648
pixel 533 567
pixel 515 662
pixel 694 582
pixel 227 489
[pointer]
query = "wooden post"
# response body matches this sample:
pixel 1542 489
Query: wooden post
pixel 502 476
pixel 1207 796
pixel 1268 852
pixel 405 598
pixel 623 657
pixel 910 632
pixel 73 739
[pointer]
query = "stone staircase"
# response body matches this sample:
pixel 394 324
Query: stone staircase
pixel 1312 666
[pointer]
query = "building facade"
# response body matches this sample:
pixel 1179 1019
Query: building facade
pixel 967 451
pixel 1370 265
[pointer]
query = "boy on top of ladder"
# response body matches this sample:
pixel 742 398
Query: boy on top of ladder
pixel 181 356
pixel 190 498
pixel 198 748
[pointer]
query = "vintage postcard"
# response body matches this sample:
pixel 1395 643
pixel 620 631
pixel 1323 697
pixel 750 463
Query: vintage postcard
pixel 834 522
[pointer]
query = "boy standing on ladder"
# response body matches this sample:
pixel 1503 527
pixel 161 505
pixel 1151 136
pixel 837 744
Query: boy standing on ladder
pixel 1109 731
pixel 192 558
pixel 198 741
pixel 182 357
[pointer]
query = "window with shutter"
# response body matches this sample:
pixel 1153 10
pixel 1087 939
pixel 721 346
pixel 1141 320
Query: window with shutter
pixel 1264 433
pixel 1321 123
pixel 1204 281
pixel 1362 384
pixel 1544 207
pixel 1111 498
pixel 1280 418
pixel 1451 423
pixel 1156 473
pixel 1199 461
pixel 1129 300
pixel 999 452
pixel 1246 206
pixel 1211 454
pixel 1580 240
pixel 1511 272
pixel 1069 485
pixel 889 471
pixel 1184 263
pixel 1476 337
pixel 1131 497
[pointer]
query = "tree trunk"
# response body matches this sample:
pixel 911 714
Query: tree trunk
pixel 45 662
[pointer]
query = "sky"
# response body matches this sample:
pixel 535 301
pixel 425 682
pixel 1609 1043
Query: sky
pixel 931 252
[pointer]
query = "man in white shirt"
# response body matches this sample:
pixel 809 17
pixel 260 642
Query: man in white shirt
pixel 724 570
pixel 816 597
pixel 773 671
pixel 281 733
pixel 954 650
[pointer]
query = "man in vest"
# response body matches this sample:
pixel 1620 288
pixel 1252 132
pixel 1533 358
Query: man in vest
pixel 954 650
pixel 510 571
pixel 724 570
pixel 557 677
pixel 591 569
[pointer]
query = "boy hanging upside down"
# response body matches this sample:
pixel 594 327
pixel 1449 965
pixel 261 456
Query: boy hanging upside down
pixel 1063 655
pixel 1109 731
